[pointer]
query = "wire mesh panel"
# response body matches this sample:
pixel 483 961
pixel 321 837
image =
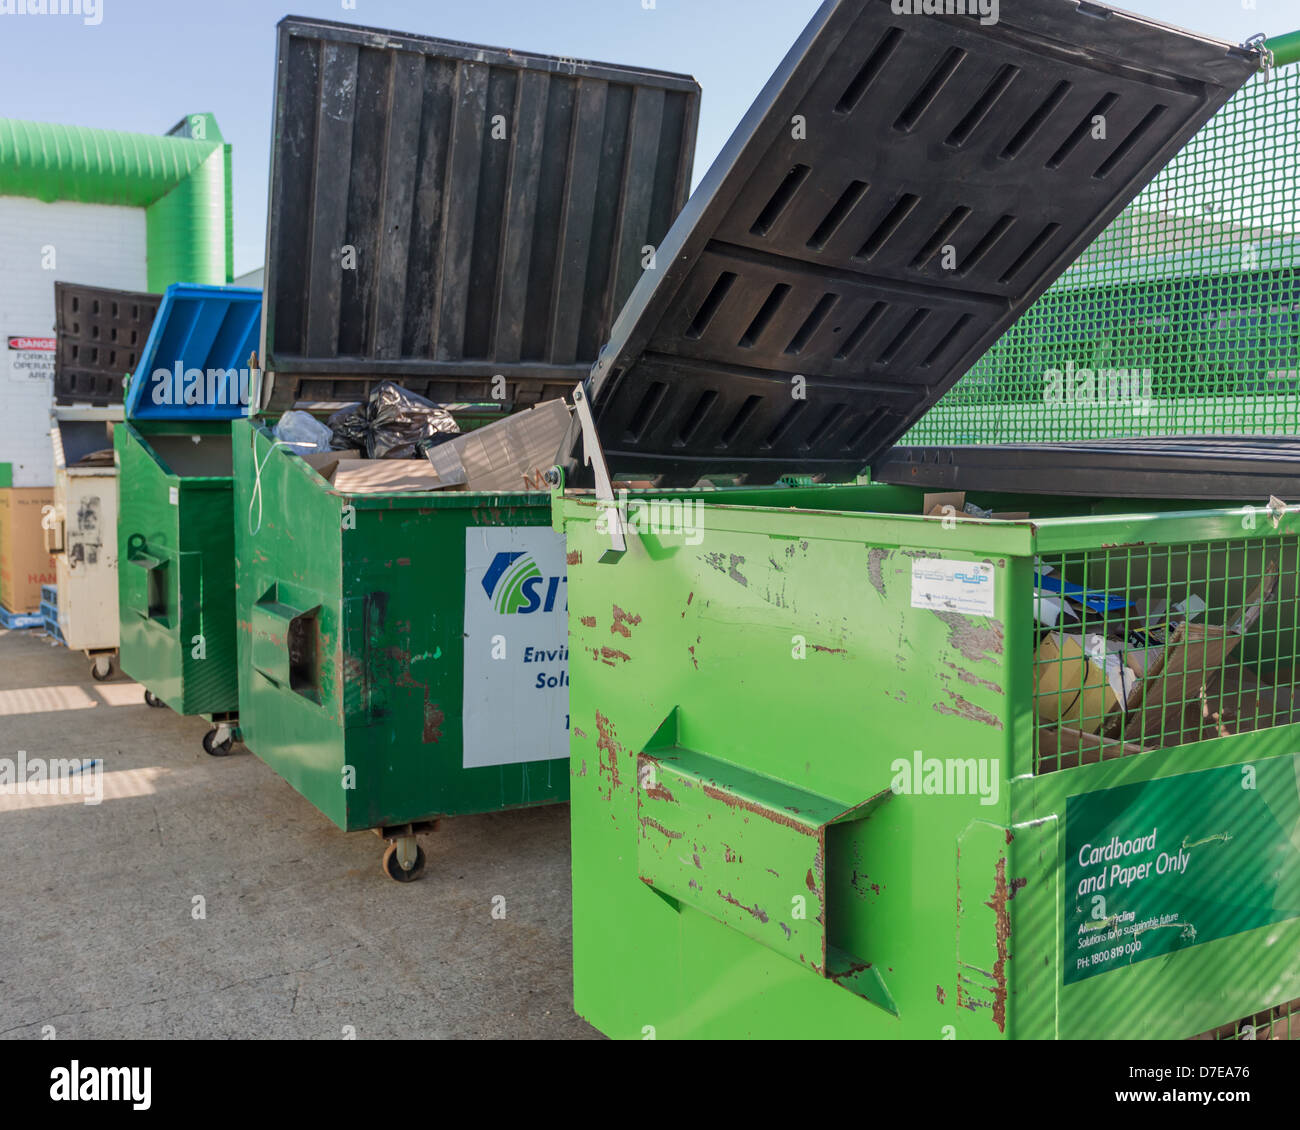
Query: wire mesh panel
pixel 1280 1023
pixel 1150 646
pixel 1182 318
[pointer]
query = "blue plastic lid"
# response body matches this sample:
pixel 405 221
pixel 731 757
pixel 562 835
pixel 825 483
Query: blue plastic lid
pixel 195 363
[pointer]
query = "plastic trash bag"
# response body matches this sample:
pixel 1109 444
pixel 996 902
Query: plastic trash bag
pixel 303 432
pixel 392 424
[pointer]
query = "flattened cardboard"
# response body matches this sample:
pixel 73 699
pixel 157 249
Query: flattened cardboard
pixel 509 455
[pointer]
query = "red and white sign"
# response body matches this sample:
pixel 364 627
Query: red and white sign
pixel 31 358
pixel 49 344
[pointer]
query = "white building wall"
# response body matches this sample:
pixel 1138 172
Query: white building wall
pixel 91 244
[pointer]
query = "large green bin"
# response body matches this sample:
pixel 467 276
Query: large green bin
pixel 869 765
pixel 402 655
pixel 176 573
pixel 735 824
pixel 380 674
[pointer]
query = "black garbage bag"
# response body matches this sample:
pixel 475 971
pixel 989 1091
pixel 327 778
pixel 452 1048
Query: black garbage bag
pixel 391 424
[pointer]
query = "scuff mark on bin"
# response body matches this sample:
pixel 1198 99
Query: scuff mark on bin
pixel 998 904
pixel 650 822
pixel 728 564
pixel 973 679
pixel 968 710
pixel 756 910
pixel 875 570
pixel 1016 885
pixel 830 650
pixel 976 643
pixel 623 623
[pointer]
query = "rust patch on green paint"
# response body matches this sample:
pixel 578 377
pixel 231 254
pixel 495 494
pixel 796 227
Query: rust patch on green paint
pixel 612 658
pixel 433 720
pixel 623 623
pixel 772 816
pixel 969 711
pixel 609 747
pixel 658 792
pixel 830 650
pixel 573 557
pixel 589 621
pixel 943 997
pixel 998 904
pixel 647 822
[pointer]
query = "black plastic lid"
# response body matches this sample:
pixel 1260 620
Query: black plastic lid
pixel 901 191
pixel 100 334
pixel 442 213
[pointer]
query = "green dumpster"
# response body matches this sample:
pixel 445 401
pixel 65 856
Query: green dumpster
pixel 176 572
pixel 402 653
pixel 869 763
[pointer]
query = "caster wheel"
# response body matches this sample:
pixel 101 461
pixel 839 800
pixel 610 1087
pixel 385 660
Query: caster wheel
pixel 393 869
pixel 153 700
pixel 101 668
pixel 214 747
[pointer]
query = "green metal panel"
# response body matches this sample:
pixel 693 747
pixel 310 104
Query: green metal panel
pixel 176 571
pixel 784 667
pixel 352 642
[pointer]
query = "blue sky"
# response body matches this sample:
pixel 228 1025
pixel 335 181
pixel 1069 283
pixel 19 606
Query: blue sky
pixel 149 62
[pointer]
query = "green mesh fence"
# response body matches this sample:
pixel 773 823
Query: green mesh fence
pixel 1183 318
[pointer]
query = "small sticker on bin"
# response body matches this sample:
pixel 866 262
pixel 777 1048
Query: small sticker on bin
pixel 953 586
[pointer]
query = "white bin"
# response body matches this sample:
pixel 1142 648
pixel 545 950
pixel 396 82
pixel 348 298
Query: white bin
pixel 81 533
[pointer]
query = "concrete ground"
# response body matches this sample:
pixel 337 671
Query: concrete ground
pixel 303 937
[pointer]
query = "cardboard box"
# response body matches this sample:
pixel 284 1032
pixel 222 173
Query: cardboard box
pixel 24 563
pixel 1082 680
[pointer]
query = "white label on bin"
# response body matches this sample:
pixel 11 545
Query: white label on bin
pixel 174 495
pixel 953 586
pixel 516 646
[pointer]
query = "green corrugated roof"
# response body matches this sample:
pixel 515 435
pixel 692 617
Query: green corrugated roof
pixel 94 166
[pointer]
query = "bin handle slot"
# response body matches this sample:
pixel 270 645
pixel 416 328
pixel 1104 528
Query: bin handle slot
pixel 286 644
pixel 755 854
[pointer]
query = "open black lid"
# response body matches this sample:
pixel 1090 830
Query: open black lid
pixel 100 334
pixel 903 189
pixel 441 213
